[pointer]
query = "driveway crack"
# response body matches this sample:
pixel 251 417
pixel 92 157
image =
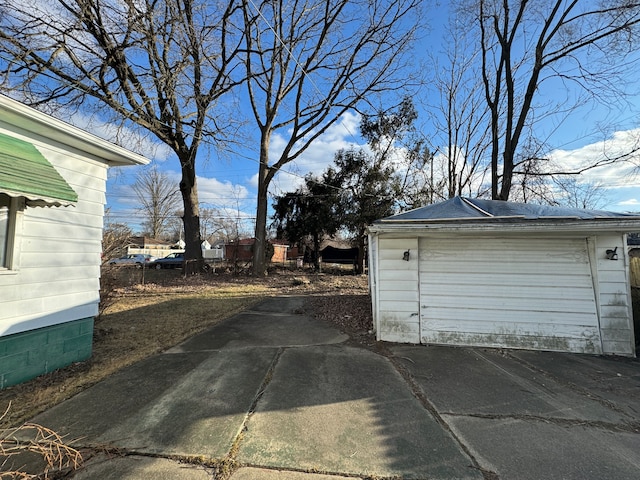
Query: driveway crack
pixel 571 386
pixel 427 405
pixel 569 422
pixel 231 458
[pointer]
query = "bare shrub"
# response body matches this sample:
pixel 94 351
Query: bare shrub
pixel 56 456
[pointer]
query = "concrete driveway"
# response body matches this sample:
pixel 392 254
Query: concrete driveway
pixel 273 394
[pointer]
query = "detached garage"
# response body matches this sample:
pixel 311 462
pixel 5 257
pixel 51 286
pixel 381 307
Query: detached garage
pixel 501 274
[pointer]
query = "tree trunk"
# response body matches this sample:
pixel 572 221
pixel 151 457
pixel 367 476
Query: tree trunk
pixel 316 252
pixel 191 219
pixel 359 266
pixel 507 175
pixel 259 260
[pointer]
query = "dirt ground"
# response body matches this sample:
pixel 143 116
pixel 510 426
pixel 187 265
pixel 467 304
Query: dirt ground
pixel 164 308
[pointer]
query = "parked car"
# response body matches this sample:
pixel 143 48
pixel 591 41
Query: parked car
pixel 173 260
pixel 137 259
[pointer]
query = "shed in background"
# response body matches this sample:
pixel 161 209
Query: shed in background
pixel 503 274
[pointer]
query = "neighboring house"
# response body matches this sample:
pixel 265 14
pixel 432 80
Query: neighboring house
pixel 151 246
pixel 242 250
pixel 280 251
pixel 52 196
pixel 149 243
pixel 501 274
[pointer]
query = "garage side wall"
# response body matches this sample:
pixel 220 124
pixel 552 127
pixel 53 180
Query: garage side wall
pixel 613 294
pixel 398 305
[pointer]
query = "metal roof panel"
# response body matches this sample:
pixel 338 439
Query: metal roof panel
pixel 459 209
pixel 25 172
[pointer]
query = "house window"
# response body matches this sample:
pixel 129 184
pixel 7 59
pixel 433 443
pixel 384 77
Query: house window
pixel 4 234
pixel 8 219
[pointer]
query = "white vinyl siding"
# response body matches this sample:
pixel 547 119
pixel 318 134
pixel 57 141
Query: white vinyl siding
pixel 398 317
pixel 614 295
pixel 508 292
pixel 59 248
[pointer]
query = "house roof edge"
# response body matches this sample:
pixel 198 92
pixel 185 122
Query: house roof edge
pixel 39 123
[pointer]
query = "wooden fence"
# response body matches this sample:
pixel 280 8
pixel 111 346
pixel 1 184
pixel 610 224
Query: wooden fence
pixel 634 271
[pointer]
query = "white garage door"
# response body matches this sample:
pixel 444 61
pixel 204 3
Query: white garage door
pixel 517 292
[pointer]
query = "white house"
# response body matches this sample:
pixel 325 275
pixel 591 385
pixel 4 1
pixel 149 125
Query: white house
pixel 52 196
pixel 501 274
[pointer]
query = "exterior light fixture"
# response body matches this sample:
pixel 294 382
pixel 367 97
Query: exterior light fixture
pixel 405 256
pixel 612 254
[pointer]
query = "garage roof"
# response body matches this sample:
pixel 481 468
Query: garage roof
pixel 459 209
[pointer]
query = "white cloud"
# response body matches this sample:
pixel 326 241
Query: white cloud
pixel 221 195
pixel 341 135
pixel 619 174
pixel 212 193
pixel 631 202
pixel 137 141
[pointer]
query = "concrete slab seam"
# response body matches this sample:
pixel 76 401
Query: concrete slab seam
pixel 268 314
pixel 565 422
pixel 235 446
pixel 211 466
pixel 220 468
pixel 572 386
pixel 421 396
pixel 340 475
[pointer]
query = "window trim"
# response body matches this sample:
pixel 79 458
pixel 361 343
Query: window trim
pixel 16 211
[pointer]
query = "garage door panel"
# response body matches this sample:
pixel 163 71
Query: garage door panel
pixel 473 268
pixel 465 294
pixel 522 328
pixel 495 249
pixel 523 292
pixel 589 345
pixel 545 319
pixel 471 282
pixel 511 306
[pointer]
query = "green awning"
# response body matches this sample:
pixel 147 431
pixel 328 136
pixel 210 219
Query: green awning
pixel 24 172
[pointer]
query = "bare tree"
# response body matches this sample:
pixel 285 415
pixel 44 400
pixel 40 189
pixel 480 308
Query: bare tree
pixel 115 237
pixel 174 226
pixel 308 62
pixel 158 66
pixel 528 44
pixel 576 194
pixel 158 197
pixel 460 118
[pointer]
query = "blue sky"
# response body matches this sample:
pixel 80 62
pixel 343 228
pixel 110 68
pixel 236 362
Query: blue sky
pixel 228 181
